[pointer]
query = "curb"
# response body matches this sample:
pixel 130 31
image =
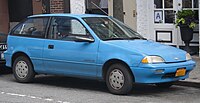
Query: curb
pixel 189 83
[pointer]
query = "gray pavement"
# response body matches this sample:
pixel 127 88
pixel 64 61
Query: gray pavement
pixel 195 74
pixel 59 89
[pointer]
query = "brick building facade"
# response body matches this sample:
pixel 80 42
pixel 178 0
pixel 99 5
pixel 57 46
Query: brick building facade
pixel 57 6
pixel 4 20
pixel 13 11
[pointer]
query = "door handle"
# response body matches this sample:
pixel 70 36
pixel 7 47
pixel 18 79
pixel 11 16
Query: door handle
pixel 50 46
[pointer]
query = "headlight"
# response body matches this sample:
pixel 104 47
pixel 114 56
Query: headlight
pixel 188 57
pixel 152 59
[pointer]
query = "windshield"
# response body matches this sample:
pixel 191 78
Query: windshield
pixel 107 28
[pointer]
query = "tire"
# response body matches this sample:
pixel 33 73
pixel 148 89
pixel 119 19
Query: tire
pixel 23 70
pixel 119 80
pixel 164 85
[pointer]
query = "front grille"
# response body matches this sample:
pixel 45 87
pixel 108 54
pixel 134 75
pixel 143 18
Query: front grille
pixel 171 75
pixel 175 62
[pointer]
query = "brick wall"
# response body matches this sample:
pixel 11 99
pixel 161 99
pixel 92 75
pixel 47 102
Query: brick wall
pixel 4 16
pixel 37 7
pixel 57 6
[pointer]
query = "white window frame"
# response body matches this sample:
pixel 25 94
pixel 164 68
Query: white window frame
pixel 163 12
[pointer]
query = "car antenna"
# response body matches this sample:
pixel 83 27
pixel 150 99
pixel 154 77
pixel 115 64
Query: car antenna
pixel 99 8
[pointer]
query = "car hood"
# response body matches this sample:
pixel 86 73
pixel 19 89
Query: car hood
pixel 146 47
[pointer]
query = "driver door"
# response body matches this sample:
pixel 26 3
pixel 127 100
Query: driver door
pixel 63 55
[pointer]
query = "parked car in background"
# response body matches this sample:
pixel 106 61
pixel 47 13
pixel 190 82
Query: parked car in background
pixel 94 47
pixel 3 47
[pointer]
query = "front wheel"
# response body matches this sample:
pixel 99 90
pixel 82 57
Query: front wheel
pixel 23 69
pixel 119 80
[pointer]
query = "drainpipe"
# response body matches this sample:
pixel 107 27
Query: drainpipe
pixel 199 28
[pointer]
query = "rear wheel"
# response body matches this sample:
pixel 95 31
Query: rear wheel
pixel 23 69
pixel 118 79
pixel 164 85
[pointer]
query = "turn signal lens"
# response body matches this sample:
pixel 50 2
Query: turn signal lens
pixel 145 60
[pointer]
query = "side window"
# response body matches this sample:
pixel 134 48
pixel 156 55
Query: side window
pixel 66 28
pixel 33 27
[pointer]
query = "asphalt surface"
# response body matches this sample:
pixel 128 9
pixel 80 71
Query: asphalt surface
pixel 58 89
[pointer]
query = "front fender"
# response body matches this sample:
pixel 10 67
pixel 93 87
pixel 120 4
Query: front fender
pixel 131 58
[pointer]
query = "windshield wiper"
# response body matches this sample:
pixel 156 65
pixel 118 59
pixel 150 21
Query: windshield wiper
pixel 114 38
pixel 136 37
pixel 130 38
pixel 133 38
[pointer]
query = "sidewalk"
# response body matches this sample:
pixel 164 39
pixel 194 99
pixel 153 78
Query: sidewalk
pixel 195 74
pixel 194 78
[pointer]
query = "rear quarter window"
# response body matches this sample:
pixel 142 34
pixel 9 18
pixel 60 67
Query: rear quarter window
pixel 32 27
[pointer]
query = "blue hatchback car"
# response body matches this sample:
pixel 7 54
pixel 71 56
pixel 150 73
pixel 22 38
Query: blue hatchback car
pixel 94 47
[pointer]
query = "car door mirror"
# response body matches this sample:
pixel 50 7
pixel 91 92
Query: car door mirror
pixel 83 39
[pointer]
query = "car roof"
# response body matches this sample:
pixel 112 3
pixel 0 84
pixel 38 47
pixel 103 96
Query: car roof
pixel 68 15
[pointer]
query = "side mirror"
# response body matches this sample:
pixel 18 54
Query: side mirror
pixel 84 39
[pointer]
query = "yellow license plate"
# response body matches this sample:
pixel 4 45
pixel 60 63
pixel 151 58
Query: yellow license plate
pixel 180 72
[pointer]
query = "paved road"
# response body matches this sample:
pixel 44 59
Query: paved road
pixel 57 89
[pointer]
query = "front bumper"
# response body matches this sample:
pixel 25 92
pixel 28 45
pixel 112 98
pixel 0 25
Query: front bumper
pixel 146 73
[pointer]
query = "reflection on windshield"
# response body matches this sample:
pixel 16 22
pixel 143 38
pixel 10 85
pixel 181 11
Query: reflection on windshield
pixel 111 29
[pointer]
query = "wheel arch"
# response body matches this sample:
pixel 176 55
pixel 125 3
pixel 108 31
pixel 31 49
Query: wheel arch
pixel 17 54
pixel 114 61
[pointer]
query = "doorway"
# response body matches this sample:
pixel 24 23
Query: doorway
pixel 164 19
pixel 96 7
pixel 164 12
pixel 19 9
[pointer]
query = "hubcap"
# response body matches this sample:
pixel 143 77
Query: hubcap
pixel 21 69
pixel 116 79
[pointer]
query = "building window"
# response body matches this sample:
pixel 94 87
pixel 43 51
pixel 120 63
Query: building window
pixel 97 7
pixel 19 9
pixel 158 4
pixel 45 6
pixel 191 5
pixel 163 11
